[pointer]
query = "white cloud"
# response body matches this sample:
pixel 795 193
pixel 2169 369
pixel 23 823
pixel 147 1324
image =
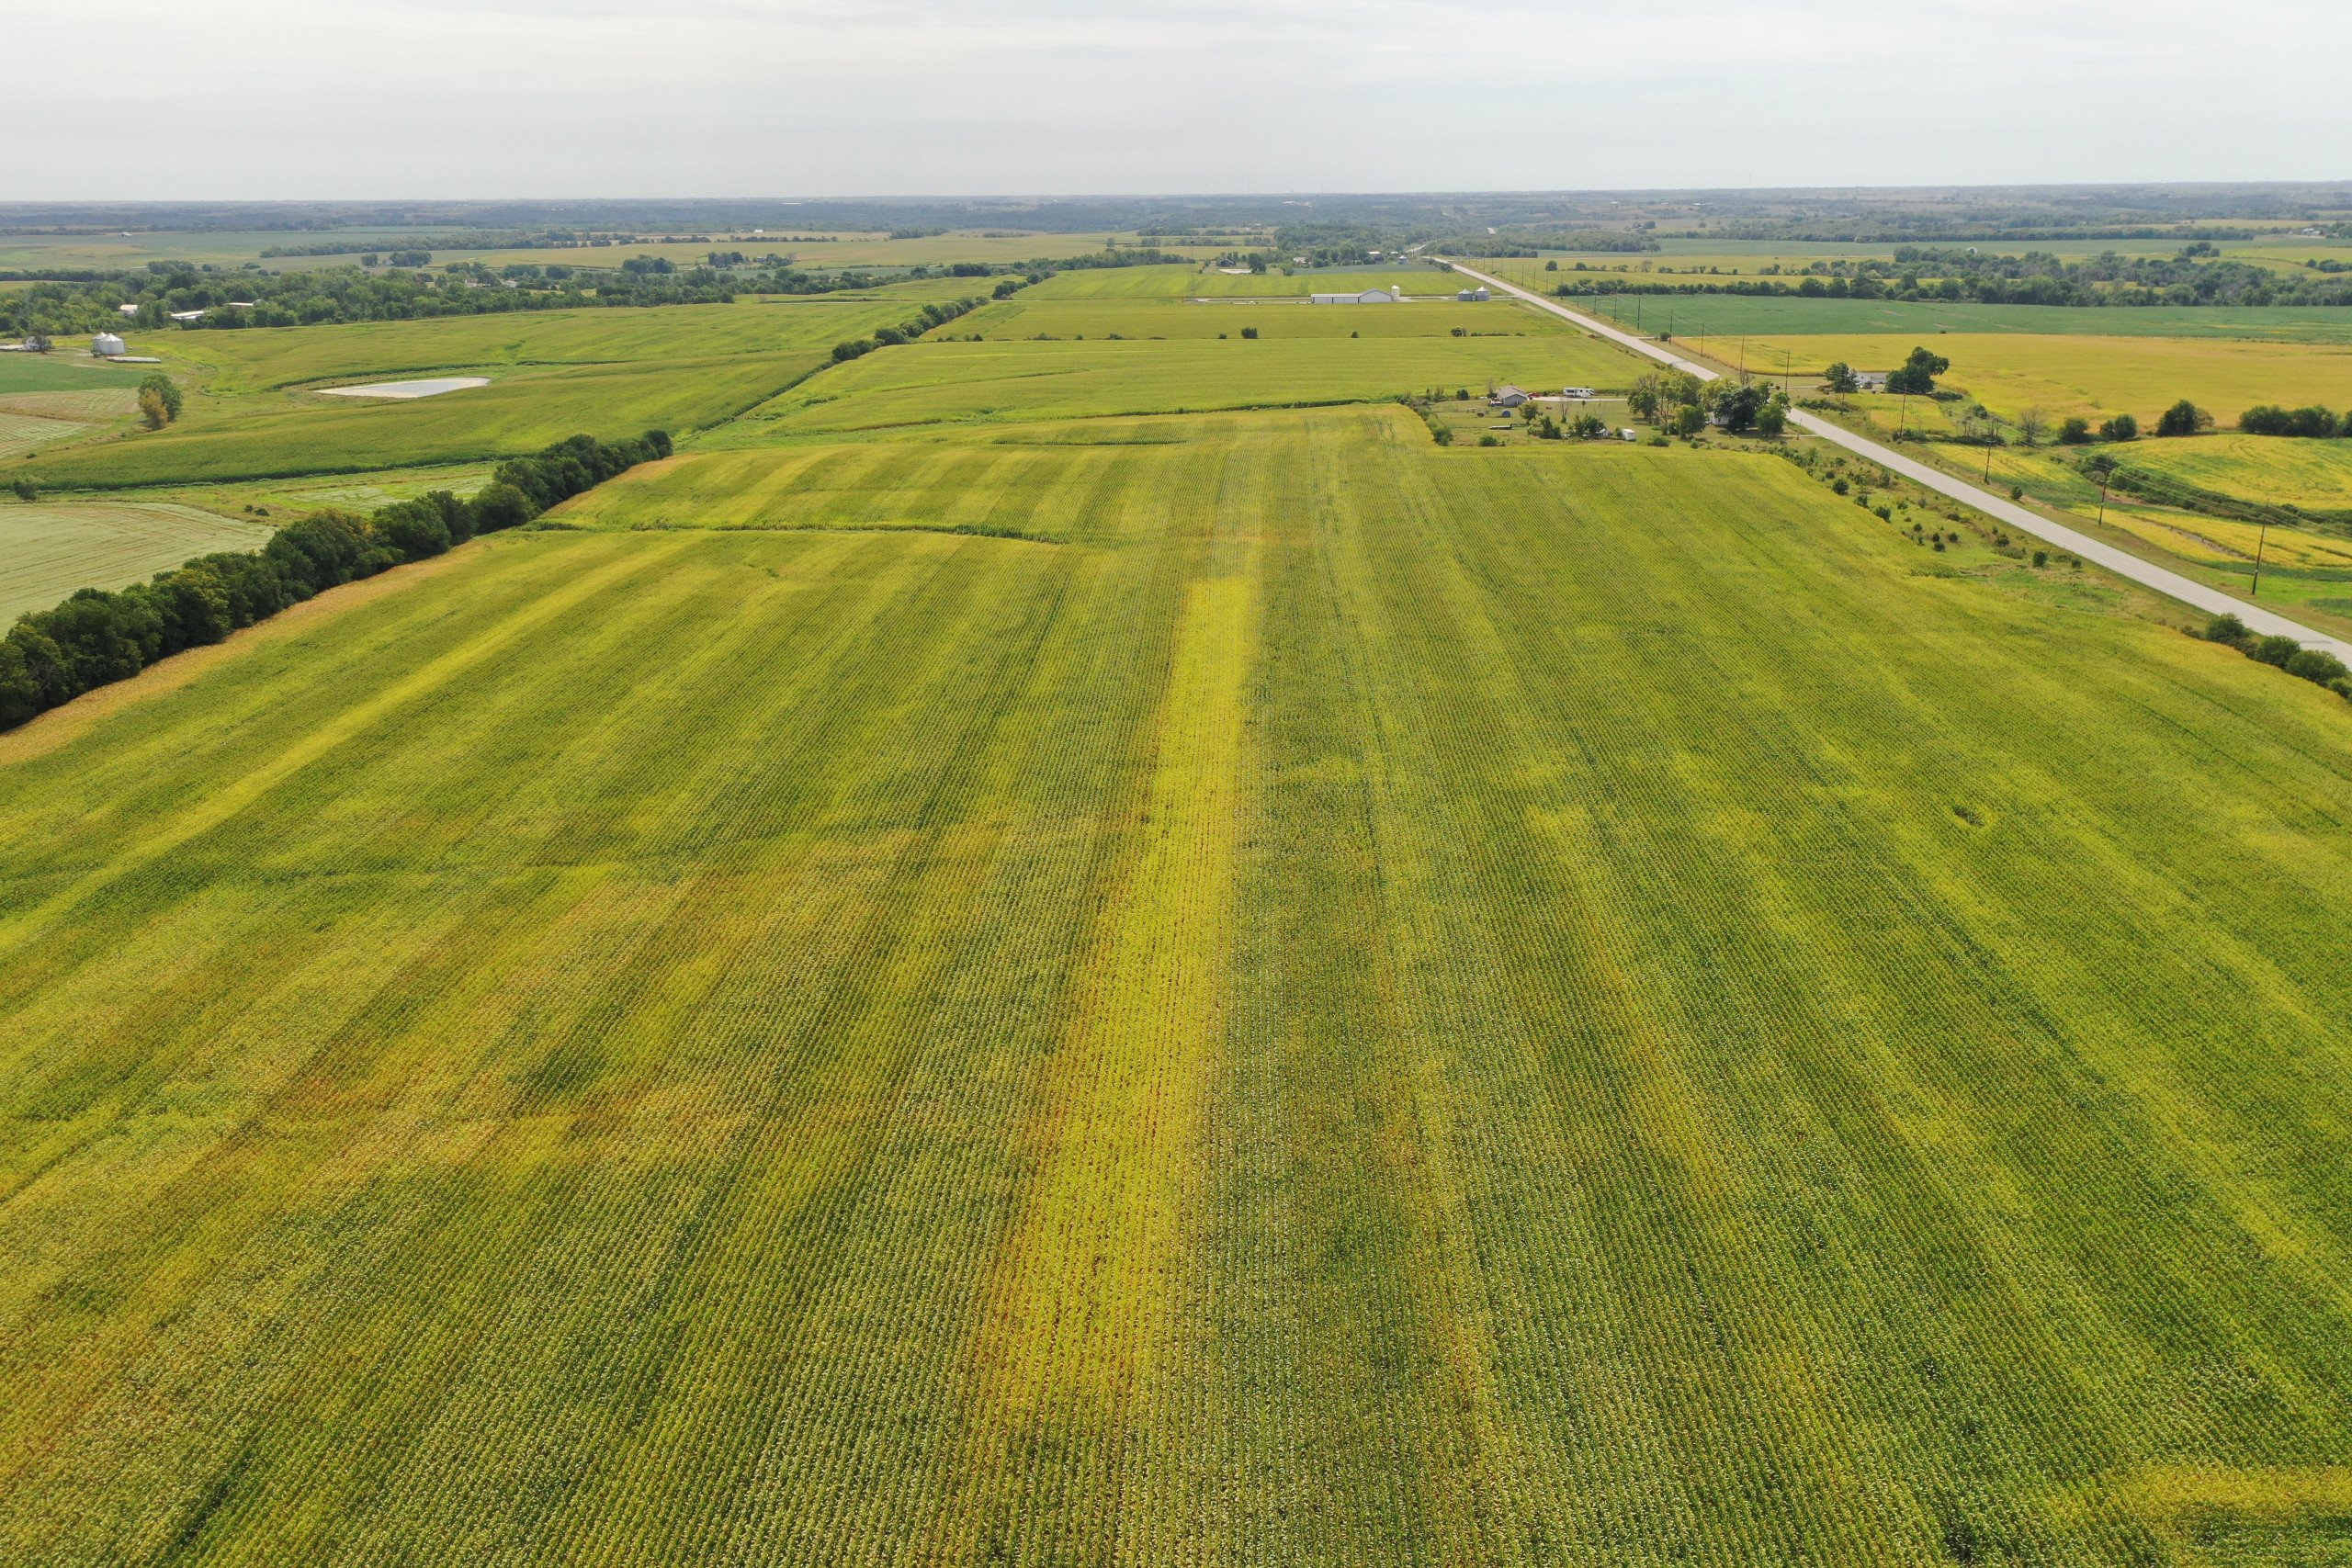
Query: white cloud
pixel 588 97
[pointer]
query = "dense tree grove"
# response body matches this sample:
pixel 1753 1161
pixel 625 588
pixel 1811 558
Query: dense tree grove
pixel 2313 422
pixel 96 636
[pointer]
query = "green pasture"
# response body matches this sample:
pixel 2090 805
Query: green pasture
pixel 1339 1002
pixel 947 382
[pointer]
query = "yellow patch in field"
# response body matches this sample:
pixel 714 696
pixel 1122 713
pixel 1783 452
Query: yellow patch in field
pixel 1083 1293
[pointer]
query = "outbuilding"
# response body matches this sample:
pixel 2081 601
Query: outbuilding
pixel 1870 380
pixel 106 346
pixel 1506 397
pixel 1368 297
pixel 1474 296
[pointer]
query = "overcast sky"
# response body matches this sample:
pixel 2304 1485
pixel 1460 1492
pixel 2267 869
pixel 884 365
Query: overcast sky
pixel 388 98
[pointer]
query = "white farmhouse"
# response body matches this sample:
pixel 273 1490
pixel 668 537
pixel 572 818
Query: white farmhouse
pixel 1506 397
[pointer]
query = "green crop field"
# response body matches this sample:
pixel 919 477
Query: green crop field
pixel 64 372
pixel 48 550
pixel 1191 282
pixel 272 436
pixel 945 382
pixel 1022 317
pixel 1341 1001
pixel 612 372
pixel 252 361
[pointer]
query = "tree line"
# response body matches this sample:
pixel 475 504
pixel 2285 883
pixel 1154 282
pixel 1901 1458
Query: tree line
pixel 930 316
pixel 97 636
pixel 2032 279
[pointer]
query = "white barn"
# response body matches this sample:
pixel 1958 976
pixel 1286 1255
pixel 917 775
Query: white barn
pixel 1369 297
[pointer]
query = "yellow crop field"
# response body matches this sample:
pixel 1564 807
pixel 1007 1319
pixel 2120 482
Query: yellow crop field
pixel 2313 475
pixel 2095 375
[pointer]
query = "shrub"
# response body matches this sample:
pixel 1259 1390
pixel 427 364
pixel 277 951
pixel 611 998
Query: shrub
pixel 2227 629
pixel 2321 669
pixel 2274 650
pixel 1250 333
pixel 2123 427
pixel 25 490
pixel 2040 559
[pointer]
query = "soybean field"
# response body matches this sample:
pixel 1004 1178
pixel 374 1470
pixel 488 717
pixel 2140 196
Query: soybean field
pixel 1233 987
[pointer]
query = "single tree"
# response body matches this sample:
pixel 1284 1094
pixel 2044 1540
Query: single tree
pixel 1839 377
pixel 2074 430
pixel 2183 418
pixel 2123 427
pixel 1917 373
pixel 2032 425
pixel 152 412
pixel 167 392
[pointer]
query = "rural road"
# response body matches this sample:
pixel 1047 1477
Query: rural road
pixel 2123 564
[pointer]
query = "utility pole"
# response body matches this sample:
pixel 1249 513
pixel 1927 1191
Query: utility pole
pixel 2105 475
pixel 2260 539
pixel 1988 460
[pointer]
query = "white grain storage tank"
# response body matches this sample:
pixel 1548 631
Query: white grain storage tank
pixel 107 344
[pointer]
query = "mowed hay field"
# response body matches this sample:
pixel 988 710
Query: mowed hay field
pixel 49 550
pixel 2091 376
pixel 1369 1004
